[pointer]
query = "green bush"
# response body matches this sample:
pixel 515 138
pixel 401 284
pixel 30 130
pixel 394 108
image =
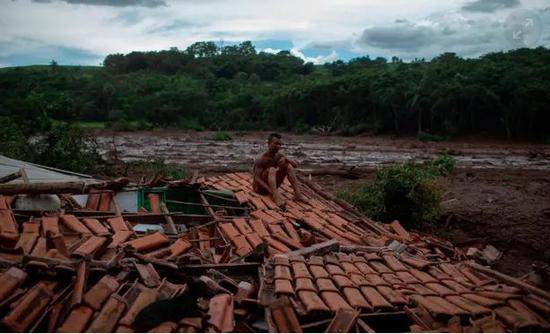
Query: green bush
pixel 221 136
pixel 14 141
pixel 407 192
pixel 444 164
pixel 68 147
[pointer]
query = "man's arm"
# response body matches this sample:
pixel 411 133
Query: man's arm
pixel 281 156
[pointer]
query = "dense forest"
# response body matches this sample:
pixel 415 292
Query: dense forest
pixel 504 94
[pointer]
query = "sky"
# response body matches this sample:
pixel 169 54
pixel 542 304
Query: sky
pixel 83 32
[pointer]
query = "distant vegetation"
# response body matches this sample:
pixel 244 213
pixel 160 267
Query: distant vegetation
pixel 207 87
pixel 408 192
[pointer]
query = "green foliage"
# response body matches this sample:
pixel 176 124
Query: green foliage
pixel 67 147
pixel 407 192
pixel 14 142
pixel 221 136
pixel 443 165
pixel 234 87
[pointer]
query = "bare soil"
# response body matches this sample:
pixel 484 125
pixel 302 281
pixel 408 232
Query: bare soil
pixel 499 193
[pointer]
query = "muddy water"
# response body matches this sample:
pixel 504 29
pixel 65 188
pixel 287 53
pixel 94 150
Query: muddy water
pixel 196 149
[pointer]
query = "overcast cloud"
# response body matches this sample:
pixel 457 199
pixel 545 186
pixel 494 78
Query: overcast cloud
pixel 85 31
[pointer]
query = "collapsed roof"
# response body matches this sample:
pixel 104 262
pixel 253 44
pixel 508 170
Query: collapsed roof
pixel 244 265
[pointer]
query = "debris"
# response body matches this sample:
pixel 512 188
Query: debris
pixel 316 265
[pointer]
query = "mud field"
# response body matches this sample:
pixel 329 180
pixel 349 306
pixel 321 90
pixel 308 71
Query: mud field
pixel 499 193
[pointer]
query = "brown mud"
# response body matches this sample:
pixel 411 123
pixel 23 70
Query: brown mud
pixel 499 192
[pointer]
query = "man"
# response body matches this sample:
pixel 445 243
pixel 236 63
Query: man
pixel 271 169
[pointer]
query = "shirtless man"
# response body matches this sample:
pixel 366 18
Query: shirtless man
pixel 271 169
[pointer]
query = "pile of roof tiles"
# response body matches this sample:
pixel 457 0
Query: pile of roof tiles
pixel 314 265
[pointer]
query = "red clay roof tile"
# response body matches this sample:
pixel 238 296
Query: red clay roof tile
pixel 334 269
pixel 117 224
pixel 334 301
pixel 105 200
pixel 257 203
pixel 468 305
pixel 221 313
pixel 108 317
pixel 342 281
pixel 242 226
pixel 283 286
pixel 300 270
pixel 10 280
pixel 77 320
pixel 148 242
pixel 73 224
pixel 50 224
pixel 145 297
pixel 242 247
pixel 29 308
pixel 325 284
pixel 90 247
pixel 282 272
pixel 392 295
pixel 305 284
pixel 514 319
pixel 489 302
pixel 356 298
pixel 98 294
pixel 154 201
pixel 281 260
pixel 312 302
pixel 95 226
pixel 375 298
pixel 318 271
pixel 258 226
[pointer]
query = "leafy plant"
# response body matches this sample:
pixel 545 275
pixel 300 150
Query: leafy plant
pixel 68 147
pixel 407 192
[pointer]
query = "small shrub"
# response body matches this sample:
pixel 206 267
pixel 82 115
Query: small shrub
pixel 221 136
pixel 67 147
pixel 444 164
pixel 14 142
pixel 407 192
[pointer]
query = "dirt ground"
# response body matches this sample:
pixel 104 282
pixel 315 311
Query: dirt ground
pixel 499 193
pixel 509 209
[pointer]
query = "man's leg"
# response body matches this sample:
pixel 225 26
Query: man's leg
pixel 272 182
pixel 294 182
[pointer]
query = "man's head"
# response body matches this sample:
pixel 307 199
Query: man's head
pixel 274 142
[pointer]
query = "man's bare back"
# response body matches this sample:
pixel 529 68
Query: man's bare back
pixel 270 170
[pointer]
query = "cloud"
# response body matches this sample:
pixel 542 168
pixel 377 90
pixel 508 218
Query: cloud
pixel 113 3
pixel 24 51
pixel 406 36
pixel 319 60
pixel 174 26
pixel 490 6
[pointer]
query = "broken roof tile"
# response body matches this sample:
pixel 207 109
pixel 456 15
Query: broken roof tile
pixel 77 320
pixel 73 224
pixel 98 294
pixel 221 312
pixel 148 242
pixel 334 301
pixel 11 280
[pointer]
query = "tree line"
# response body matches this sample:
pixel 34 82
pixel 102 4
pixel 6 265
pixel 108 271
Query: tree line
pixel 206 86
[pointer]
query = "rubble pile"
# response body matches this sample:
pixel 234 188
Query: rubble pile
pixel 237 262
